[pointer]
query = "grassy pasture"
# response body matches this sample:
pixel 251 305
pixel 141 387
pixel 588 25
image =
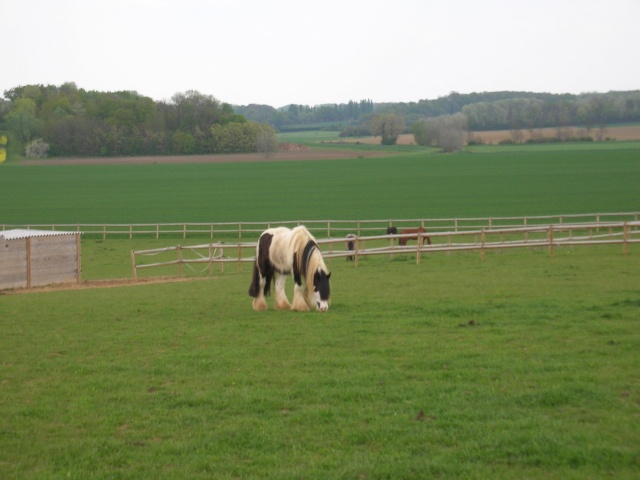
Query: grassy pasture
pixel 518 366
pixel 422 184
pixel 521 366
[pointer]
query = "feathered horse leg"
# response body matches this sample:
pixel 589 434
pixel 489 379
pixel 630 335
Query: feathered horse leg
pixel 262 274
pixel 282 303
pixel 299 299
pixel 259 302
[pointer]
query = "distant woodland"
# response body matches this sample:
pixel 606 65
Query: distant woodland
pixel 484 111
pixel 69 121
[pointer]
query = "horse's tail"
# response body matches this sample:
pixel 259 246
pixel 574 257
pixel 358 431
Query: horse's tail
pixel 262 267
pixel 254 288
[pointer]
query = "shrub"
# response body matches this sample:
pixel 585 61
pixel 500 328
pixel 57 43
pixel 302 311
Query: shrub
pixel 37 149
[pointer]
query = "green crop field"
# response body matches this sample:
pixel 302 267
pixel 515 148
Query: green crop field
pixel 521 365
pixel 418 184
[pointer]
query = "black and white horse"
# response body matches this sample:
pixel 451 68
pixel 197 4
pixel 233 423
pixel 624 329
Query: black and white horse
pixel 282 251
pixel 351 245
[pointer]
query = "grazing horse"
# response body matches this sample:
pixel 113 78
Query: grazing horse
pixel 392 231
pixel 282 251
pixel 406 231
pixel 351 245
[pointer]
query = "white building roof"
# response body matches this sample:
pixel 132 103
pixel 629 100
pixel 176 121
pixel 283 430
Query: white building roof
pixel 24 233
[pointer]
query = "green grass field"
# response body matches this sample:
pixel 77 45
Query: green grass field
pixel 519 366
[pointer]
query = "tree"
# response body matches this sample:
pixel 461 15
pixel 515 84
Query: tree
pixel 236 137
pixel 195 109
pixel 388 126
pixel 446 132
pixel 266 140
pixel 599 110
pixel 22 119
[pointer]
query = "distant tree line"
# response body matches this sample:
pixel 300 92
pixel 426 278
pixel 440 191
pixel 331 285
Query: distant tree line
pixel 484 111
pixel 509 110
pixel 444 122
pixel 68 121
pixel 301 117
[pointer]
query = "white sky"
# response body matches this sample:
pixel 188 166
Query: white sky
pixel 278 52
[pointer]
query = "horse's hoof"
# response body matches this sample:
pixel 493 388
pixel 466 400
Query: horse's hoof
pixel 300 306
pixel 283 305
pixel 259 304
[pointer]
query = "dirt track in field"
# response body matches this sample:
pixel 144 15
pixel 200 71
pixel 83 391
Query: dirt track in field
pixel 108 283
pixel 288 155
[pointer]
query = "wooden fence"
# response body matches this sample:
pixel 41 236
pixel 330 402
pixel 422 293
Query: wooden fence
pixel 322 228
pixel 539 236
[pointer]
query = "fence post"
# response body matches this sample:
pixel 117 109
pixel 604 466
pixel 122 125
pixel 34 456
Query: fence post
pixel 419 248
pixel 625 238
pixel 78 259
pixel 130 232
pixel 550 237
pixel 133 265
pixel 239 258
pixel 28 242
pixel 157 231
pixel 180 261
pixel 482 238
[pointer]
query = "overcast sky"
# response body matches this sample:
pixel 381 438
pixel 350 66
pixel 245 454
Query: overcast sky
pixel 278 52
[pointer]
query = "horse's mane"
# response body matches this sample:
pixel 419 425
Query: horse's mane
pixel 308 258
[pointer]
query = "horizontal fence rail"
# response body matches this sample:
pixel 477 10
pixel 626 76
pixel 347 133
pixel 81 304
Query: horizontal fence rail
pixel 322 228
pixel 541 236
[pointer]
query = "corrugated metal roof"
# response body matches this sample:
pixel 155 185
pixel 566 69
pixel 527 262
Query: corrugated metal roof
pixel 24 233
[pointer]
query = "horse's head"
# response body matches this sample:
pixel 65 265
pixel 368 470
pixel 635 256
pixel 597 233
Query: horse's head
pixel 321 291
pixel 392 231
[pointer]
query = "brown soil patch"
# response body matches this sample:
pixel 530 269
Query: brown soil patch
pixel 625 133
pixel 287 155
pixel 109 283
